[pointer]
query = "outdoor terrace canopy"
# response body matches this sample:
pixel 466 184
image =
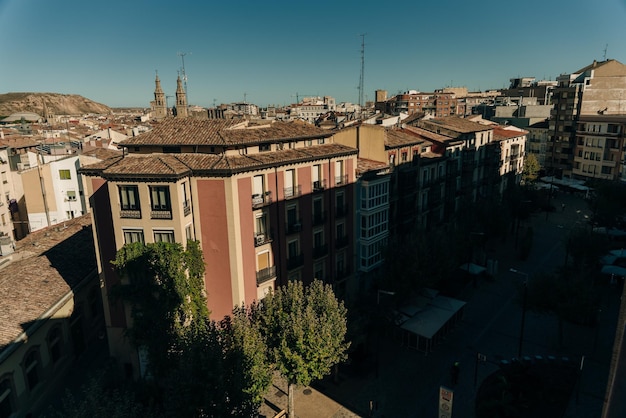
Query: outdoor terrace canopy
pixel 428 319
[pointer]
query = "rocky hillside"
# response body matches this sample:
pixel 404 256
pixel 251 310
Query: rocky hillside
pixel 58 104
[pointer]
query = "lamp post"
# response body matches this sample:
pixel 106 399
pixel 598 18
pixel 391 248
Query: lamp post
pixel 524 296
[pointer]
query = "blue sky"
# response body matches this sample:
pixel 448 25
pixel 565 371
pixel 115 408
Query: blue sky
pixel 267 52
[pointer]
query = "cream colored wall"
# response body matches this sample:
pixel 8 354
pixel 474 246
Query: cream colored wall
pixel 47 372
pixel 146 223
pixel 371 141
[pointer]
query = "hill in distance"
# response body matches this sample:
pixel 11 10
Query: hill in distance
pixel 57 104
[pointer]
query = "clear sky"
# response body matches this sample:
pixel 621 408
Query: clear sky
pixel 266 52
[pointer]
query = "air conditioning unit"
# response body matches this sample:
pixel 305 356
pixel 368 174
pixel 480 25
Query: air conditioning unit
pixel 317 185
pixel 260 239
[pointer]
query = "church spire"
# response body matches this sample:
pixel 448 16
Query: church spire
pixel 181 100
pixel 159 106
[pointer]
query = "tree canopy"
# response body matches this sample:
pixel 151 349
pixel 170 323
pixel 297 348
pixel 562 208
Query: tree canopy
pixel 163 283
pixel 304 328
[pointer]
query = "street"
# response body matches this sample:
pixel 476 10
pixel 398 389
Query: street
pixel 408 381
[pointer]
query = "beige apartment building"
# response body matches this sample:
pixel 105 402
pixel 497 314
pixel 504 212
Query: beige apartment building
pixel 597 89
pixel 268 203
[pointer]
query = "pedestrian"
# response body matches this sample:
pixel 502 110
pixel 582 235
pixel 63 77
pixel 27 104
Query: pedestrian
pixel 454 371
pixel 562 207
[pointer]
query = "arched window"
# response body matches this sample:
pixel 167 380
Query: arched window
pixel 55 343
pixel 31 368
pixel 7 398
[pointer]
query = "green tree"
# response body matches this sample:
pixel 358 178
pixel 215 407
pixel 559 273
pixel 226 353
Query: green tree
pixel 531 168
pixel 100 398
pixel 163 283
pixel 609 203
pixel 224 371
pixel 305 329
pixel 570 298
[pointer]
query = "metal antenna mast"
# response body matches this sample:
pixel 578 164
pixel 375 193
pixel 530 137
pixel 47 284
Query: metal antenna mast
pixel 182 57
pixel 361 78
pixel 605 48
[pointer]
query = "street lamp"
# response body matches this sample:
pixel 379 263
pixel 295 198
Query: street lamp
pixel 525 294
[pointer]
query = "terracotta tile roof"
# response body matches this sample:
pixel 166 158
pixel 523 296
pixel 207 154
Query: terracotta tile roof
pixel 395 138
pixel 458 124
pixel 222 132
pixel 45 267
pixel 100 153
pixel 157 165
pixel 432 136
pixel 19 142
pixel 364 165
pixel 178 165
pixel 500 133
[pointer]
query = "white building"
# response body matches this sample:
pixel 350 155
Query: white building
pixel 53 193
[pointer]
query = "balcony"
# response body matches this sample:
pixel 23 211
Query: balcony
pixel 186 208
pixel 319 185
pixel 292 192
pixel 295 261
pixel 260 200
pixel 341 180
pixel 320 250
pixel 341 242
pixel 130 213
pixel 161 214
pixel 319 218
pixel 260 239
pixel 294 227
pixel 265 275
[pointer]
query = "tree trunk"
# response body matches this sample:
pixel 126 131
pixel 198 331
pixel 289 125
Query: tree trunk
pixel 290 412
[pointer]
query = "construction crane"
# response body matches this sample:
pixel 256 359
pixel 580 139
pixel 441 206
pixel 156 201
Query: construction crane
pixel 298 95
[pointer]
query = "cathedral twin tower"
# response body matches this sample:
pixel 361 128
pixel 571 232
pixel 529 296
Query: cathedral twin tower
pixel 159 105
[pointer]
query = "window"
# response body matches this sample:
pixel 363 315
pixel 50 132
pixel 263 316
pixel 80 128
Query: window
pixel 290 176
pixel 316 176
pixel 54 343
pixel 188 232
pixel 261 224
pixel 339 173
pixel 183 190
pixel 257 185
pixel 160 198
pixel 318 271
pixel 7 406
pixel 129 197
pixel 163 236
pixel 65 175
pixel 5 180
pixel 31 369
pixel 264 147
pixel 318 239
pixel 133 235
pixel 292 249
pixel 340 207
